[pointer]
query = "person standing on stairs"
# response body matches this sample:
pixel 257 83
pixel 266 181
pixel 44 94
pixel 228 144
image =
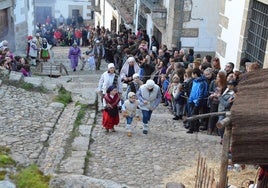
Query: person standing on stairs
pixel 149 96
pixel 129 111
pixel 112 105
pixel 99 53
pixel 109 78
pixel 74 55
pixel 33 51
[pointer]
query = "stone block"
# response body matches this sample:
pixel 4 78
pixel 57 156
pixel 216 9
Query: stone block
pixel 51 86
pixel 85 130
pixel 73 165
pixel 15 76
pixel 57 105
pixel 80 154
pixel 224 21
pixel 81 143
pixel 35 81
pixel 190 32
pixel 174 185
pixel 221 47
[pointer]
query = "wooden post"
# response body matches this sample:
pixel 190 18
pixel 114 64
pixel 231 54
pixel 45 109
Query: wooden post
pixel 197 170
pixel 226 124
pixel 201 116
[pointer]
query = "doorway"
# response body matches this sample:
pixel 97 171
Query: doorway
pixel 41 14
pixel 75 13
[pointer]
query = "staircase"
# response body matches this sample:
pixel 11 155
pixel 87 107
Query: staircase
pixel 50 69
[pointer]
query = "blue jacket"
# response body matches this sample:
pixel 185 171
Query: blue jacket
pixel 165 85
pixel 199 92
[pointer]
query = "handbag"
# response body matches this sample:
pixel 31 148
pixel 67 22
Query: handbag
pixel 167 95
pixel 113 112
pixel 125 113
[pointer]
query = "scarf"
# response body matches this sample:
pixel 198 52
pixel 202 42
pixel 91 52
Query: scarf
pixel 113 101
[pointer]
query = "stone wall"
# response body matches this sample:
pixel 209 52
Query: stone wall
pixel 21 38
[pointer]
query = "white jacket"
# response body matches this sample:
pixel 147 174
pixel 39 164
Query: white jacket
pixel 106 81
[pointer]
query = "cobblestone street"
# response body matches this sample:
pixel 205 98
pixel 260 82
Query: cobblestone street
pixel 38 130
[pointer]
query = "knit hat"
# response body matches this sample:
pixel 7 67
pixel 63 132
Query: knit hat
pixel 136 75
pixel 150 84
pixel 131 59
pixel 111 88
pixel 110 65
pixel 131 94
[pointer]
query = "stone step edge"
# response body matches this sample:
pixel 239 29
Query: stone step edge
pixel 54 153
pixel 73 180
pixel 77 161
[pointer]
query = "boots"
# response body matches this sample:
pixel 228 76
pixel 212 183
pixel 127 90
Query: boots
pixel 33 62
pixel 176 118
pixel 129 134
pixel 145 129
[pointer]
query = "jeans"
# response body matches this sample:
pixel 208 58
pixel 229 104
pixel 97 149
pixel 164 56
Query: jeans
pixel 129 120
pixel 221 131
pixel 194 125
pixel 146 116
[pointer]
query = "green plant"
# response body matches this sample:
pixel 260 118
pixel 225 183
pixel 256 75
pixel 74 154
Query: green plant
pixel 64 96
pixel 31 177
pixel 2 175
pixel 5 161
pixel 27 86
pixel 75 132
pixel 4 150
pixel 89 154
pixel 81 114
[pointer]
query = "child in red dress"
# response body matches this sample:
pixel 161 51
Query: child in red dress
pixel 112 105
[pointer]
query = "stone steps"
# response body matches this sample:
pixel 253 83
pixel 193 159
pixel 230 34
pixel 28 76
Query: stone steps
pixel 68 145
pixel 68 152
pixel 54 153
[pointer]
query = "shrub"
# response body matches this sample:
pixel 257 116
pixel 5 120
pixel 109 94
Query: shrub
pixel 64 96
pixel 31 177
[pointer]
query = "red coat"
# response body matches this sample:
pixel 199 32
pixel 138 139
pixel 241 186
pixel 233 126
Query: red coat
pixel 78 34
pixel 57 35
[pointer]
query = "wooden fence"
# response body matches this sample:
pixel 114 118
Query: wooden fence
pixel 204 175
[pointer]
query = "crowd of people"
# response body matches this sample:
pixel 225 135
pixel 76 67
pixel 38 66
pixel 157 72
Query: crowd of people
pixel 138 66
pixel 141 74
pixel 148 74
pixel 10 62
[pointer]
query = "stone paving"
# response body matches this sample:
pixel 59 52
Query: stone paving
pixel 146 160
pixel 38 130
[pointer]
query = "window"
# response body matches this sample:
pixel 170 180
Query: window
pixel 258 33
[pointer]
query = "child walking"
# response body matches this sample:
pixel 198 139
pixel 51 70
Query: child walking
pixel 112 104
pixel 129 111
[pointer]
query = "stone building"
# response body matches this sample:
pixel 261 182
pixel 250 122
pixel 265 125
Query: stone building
pixel 7 22
pixel 229 29
pixel 186 24
pixel 243 32
pixel 112 13
pixel 19 17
